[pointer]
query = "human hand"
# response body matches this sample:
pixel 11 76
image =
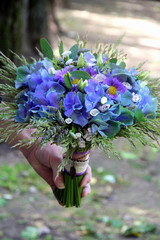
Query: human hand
pixel 45 162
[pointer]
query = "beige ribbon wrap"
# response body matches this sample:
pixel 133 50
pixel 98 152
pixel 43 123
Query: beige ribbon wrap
pixel 79 161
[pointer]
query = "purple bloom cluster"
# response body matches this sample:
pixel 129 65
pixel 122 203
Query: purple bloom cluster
pixel 104 97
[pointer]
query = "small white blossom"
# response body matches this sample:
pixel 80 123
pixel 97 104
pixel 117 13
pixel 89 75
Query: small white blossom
pixel 69 62
pixel 78 135
pixel 66 53
pixel 94 112
pixel 104 100
pixel 104 107
pixel 88 137
pixel 136 97
pixel 68 120
pixel 81 143
pixel 127 85
pixel 89 130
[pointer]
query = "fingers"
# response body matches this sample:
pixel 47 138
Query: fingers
pixel 87 178
pixel 57 178
pixel 86 190
pixel 58 181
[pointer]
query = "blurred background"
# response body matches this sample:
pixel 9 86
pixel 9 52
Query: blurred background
pixel 125 198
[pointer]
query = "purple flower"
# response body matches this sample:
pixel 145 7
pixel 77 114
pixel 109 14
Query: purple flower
pixel 114 87
pixel 48 93
pixel 74 108
pixel 91 70
pixel 59 74
pixel 90 59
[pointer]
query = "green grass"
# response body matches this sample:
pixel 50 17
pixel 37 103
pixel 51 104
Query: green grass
pixel 20 177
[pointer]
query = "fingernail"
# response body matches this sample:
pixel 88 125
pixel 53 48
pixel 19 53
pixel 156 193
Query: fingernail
pixel 82 185
pixel 61 186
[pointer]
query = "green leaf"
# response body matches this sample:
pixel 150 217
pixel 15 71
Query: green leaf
pixel 67 81
pixel 122 64
pixel 61 49
pixel 139 117
pixel 98 122
pixel 113 60
pixel 80 75
pixel 74 51
pixel 46 48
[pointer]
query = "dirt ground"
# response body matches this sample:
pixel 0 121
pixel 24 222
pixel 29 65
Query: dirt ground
pixel 136 195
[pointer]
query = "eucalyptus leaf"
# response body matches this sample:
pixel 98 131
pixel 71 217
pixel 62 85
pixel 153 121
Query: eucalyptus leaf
pixel 46 48
pixel 80 75
pixel 122 64
pixel 113 60
pixel 61 49
pixel 67 81
pixel 139 117
pixel 74 51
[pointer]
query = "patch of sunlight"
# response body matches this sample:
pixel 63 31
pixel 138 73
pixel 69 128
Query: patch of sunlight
pixel 129 24
pixel 138 211
pixel 149 42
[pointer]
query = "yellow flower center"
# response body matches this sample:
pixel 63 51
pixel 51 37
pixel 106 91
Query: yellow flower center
pixel 112 90
pixel 75 81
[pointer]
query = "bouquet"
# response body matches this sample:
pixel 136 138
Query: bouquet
pixel 79 100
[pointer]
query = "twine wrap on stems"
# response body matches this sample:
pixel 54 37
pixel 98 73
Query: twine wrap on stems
pixel 73 174
pixel 79 162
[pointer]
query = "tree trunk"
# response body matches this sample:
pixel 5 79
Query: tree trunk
pixel 37 21
pixel 66 4
pixel 23 23
pixel 11 25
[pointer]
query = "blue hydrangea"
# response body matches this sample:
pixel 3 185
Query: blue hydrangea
pixel 106 102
